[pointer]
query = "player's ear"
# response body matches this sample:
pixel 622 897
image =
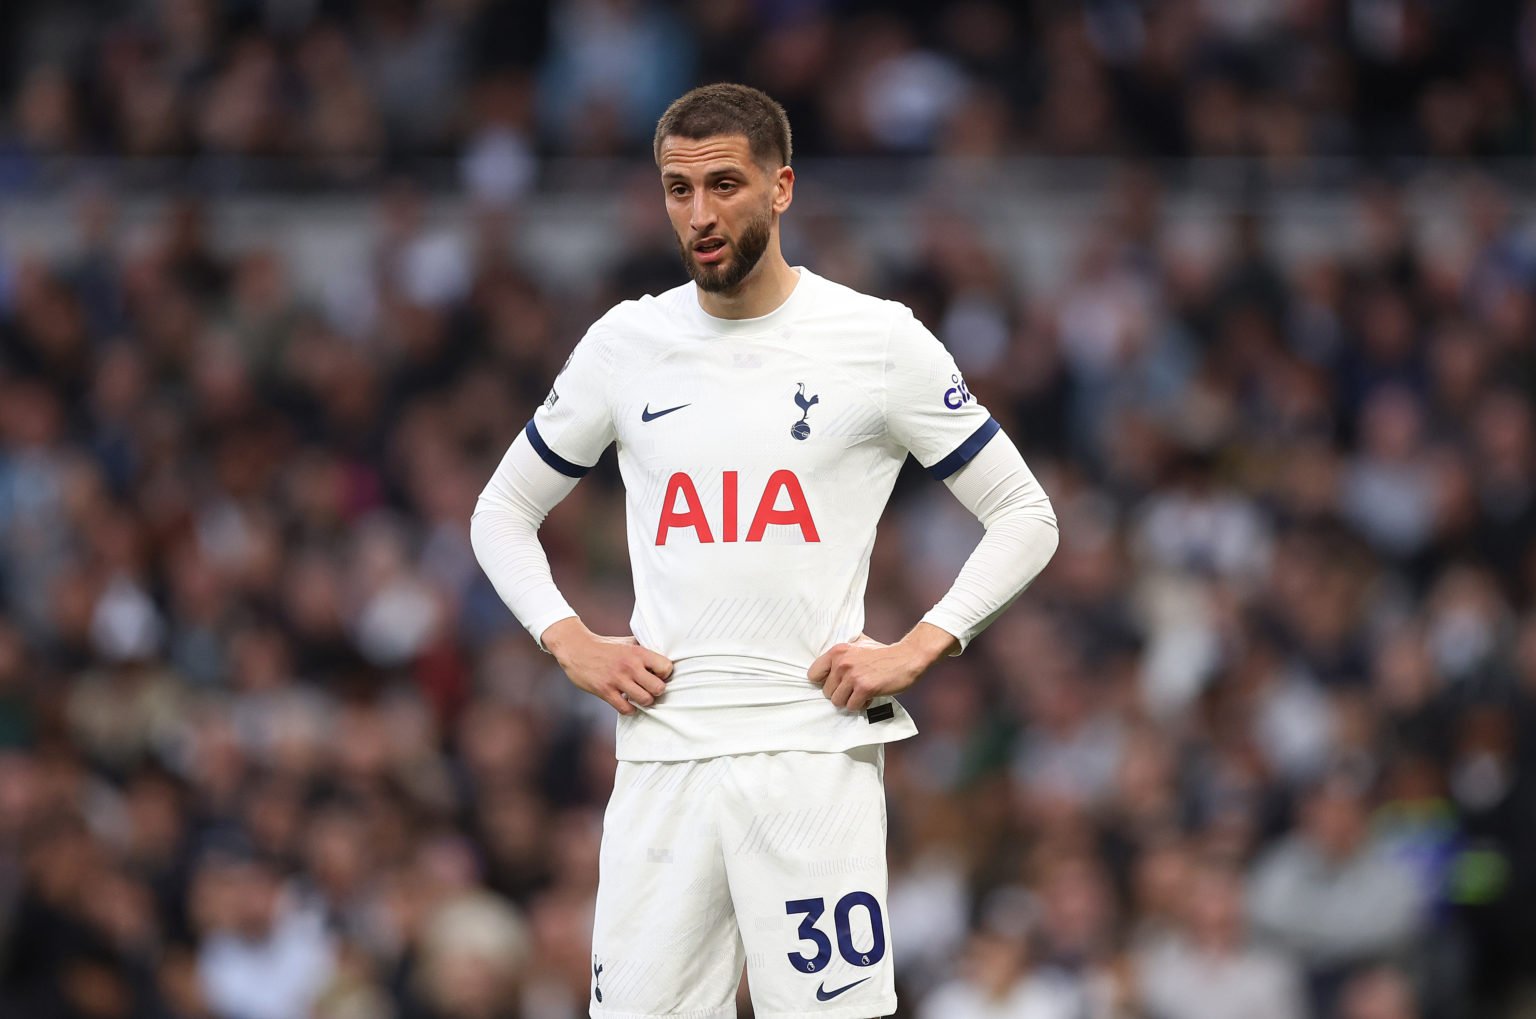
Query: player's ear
pixel 783 188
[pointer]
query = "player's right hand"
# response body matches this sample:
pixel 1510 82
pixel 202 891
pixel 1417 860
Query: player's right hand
pixel 616 669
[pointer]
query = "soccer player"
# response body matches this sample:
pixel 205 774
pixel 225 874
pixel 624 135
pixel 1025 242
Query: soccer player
pixel 761 415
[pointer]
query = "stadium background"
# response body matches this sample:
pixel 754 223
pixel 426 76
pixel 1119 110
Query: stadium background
pixel 1250 281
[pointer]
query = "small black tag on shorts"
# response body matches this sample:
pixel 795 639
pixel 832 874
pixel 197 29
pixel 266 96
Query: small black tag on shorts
pixel 881 712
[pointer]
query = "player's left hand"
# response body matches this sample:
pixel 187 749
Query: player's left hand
pixel 853 674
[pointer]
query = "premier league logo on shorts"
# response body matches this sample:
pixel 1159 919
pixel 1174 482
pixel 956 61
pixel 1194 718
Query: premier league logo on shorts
pixel 801 429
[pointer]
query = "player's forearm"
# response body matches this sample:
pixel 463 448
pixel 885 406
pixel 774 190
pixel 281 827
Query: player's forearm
pixel 504 535
pixel 1006 560
pixel 928 643
pixel 508 550
pixel 1021 536
pixel 558 637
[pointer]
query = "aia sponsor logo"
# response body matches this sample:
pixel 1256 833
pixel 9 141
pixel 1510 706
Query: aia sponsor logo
pixel 682 509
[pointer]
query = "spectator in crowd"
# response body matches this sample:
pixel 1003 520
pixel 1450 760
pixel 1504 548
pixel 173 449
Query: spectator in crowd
pixel 263 723
pixel 1209 970
pixel 1332 896
pixel 262 955
pixel 998 981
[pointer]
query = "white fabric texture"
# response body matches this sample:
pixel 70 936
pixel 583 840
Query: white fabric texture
pixel 1021 536
pixel 504 534
pixel 772 860
pixel 757 457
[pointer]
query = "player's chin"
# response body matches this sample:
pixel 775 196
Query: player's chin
pixel 713 269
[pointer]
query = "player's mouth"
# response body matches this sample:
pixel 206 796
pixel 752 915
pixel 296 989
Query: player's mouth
pixel 709 250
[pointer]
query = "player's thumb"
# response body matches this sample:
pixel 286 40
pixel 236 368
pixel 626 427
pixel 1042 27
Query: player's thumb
pixel 822 666
pixel 658 664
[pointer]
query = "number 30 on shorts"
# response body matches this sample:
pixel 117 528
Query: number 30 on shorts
pixel 813 909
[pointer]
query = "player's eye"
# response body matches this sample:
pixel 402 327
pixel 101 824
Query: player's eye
pixel 678 190
pixel 726 185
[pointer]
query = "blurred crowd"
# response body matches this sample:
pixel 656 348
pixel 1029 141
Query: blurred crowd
pixel 341 91
pixel 1259 743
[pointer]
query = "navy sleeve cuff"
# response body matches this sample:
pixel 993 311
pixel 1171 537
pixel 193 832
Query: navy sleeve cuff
pixel 552 458
pixel 964 452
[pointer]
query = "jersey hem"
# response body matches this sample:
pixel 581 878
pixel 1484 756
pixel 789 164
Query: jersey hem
pixel 769 747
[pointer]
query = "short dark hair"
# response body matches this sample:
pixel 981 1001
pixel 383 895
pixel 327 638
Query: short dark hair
pixel 725 108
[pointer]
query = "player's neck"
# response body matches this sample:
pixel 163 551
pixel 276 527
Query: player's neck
pixel 767 286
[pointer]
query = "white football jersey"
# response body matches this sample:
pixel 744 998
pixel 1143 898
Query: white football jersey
pixel 757 456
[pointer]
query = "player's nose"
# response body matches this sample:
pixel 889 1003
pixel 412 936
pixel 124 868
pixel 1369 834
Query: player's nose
pixel 702 215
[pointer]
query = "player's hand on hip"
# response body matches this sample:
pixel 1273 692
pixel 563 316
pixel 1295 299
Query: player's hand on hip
pixel 853 674
pixel 616 669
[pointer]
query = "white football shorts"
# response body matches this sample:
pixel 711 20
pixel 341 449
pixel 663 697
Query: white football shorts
pixel 775 860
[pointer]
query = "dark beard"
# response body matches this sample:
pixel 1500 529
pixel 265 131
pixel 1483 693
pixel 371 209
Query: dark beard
pixel 748 251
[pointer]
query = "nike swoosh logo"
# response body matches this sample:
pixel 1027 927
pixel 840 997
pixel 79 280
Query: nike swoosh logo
pixel 822 994
pixel 646 415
